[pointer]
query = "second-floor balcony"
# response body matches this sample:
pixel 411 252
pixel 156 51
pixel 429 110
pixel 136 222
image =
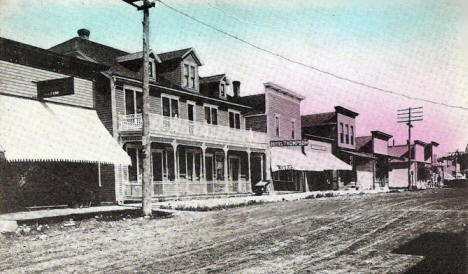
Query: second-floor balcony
pixel 171 127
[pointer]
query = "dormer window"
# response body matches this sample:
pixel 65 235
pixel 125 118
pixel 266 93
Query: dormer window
pixel 151 69
pixel 186 75
pixel 189 76
pixel 192 76
pixel 223 90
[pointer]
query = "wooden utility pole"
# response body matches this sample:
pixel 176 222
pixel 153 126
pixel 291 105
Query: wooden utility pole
pixel 145 140
pixel 408 116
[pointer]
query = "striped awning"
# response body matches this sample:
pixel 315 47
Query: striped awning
pixel 32 130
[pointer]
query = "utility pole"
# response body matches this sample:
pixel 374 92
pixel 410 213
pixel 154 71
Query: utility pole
pixel 145 5
pixel 407 116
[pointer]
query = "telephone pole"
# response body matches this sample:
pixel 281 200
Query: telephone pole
pixel 408 116
pixel 147 194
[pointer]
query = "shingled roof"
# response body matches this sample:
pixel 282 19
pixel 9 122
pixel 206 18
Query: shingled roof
pixel 318 119
pixel 362 141
pixel 212 78
pixel 256 102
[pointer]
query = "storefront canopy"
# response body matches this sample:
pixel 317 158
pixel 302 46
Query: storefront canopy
pixel 31 130
pixel 284 159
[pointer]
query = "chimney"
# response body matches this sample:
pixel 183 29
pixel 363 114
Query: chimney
pixel 236 88
pixel 84 34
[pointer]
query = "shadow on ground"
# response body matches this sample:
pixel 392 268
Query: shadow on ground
pixel 443 252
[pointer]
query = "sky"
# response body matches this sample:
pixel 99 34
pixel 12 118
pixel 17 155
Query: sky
pixel 416 47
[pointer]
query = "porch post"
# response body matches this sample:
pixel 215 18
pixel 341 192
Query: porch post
pixel 249 180
pixel 267 164
pixel 203 167
pixel 226 188
pixel 176 168
pixel 262 160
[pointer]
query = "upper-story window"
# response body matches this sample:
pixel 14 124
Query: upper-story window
pixel 133 101
pixel 352 135
pixel 277 126
pixel 191 110
pixel 151 69
pixel 293 129
pixel 186 75
pixel 190 73
pixel 222 90
pixel 170 106
pixel 192 76
pixel 234 119
pixel 211 115
pixel 347 134
pixel 341 133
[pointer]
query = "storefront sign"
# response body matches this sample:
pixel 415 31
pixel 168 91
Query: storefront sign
pixel 285 167
pixel 288 143
pixel 55 87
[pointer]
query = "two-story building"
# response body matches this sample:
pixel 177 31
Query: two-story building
pixel 294 161
pixel 199 141
pixel 373 173
pixel 340 127
pixel 53 143
pixel 421 169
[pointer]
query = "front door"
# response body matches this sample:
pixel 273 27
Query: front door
pixel 234 168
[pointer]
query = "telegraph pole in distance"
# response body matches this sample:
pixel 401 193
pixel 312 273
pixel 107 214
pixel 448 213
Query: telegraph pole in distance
pixel 147 194
pixel 408 116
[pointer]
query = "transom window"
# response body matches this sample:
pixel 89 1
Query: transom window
pixel 133 101
pixel 170 106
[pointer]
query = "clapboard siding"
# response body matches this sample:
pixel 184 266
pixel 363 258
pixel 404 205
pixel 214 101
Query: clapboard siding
pixel 103 104
pixel 107 189
pixel 288 110
pixel 256 123
pixel 17 79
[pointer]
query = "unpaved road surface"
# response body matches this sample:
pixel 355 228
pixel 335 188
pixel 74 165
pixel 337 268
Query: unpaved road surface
pixel 396 232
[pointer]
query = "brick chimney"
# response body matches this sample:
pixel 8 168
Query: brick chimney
pixel 84 34
pixel 236 88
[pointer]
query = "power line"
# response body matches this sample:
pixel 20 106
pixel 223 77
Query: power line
pixel 309 66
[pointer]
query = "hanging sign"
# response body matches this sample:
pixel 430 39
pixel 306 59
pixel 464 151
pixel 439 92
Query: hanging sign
pixel 55 87
pixel 289 143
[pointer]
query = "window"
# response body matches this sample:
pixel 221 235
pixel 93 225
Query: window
pixel 192 76
pixel 191 111
pixel 277 126
pixel 352 135
pixel 170 106
pixel 234 119
pixel 151 69
pixel 211 115
pixel 347 134
pixel 341 133
pixel 135 171
pixel 223 90
pixel 293 126
pixel 133 101
pixel 186 75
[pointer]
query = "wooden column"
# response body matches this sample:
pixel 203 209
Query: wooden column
pixel 249 179
pixel 267 164
pixel 176 168
pixel 226 179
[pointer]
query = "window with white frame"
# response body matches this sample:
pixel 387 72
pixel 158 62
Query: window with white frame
pixel 352 135
pixel 223 90
pixel 277 125
pixel 347 134
pixel 170 106
pixel 341 133
pixel 293 129
pixel 186 75
pixel 152 69
pixel 192 77
pixel 191 110
pixel 234 119
pixel 133 100
pixel 211 114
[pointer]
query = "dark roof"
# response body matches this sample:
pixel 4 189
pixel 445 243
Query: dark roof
pixel 362 141
pixel 318 119
pixel 398 151
pixel 381 135
pixel 176 54
pixel 345 111
pixel 212 78
pixel 256 102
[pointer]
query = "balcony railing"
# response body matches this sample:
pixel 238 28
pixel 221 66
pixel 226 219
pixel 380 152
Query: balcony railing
pixel 192 130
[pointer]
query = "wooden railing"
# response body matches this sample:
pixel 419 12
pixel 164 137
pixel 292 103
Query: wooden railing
pixel 182 128
pixel 187 188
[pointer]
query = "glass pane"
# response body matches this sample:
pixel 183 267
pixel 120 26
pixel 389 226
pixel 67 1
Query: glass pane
pixel 219 167
pixel 237 120
pixel 207 115
pixel 132 171
pixel 166 107
pixel 231 119
pixel 209 168
pixel 197 166
pixel 129 102
pixel 139 102
pixel 175 108
pixel 214 116
pixel 190 112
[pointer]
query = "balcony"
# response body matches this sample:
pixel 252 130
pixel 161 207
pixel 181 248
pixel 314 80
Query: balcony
pixel 169 127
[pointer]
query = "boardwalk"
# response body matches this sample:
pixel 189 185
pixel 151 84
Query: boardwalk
pixel 379 233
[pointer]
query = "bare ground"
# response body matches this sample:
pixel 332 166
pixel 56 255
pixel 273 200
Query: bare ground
pixel 368 233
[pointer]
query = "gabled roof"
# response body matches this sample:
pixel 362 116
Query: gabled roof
pixel 179 54
pixel 256 102
pixel 136 56
pixel 212 78
pixel 318 119
pixel 398 151
pixel 362 141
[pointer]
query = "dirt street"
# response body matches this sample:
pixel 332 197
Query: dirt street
pixel 395 232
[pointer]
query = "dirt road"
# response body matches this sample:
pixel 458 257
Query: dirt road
pixel 394 232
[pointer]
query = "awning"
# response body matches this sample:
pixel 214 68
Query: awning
pixel 31 130
pixel 289 159
pixel 284 159
pixel 325 160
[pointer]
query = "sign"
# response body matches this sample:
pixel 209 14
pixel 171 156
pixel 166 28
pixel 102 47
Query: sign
pixel 285 167
pixel 289 143
pixel 55 87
